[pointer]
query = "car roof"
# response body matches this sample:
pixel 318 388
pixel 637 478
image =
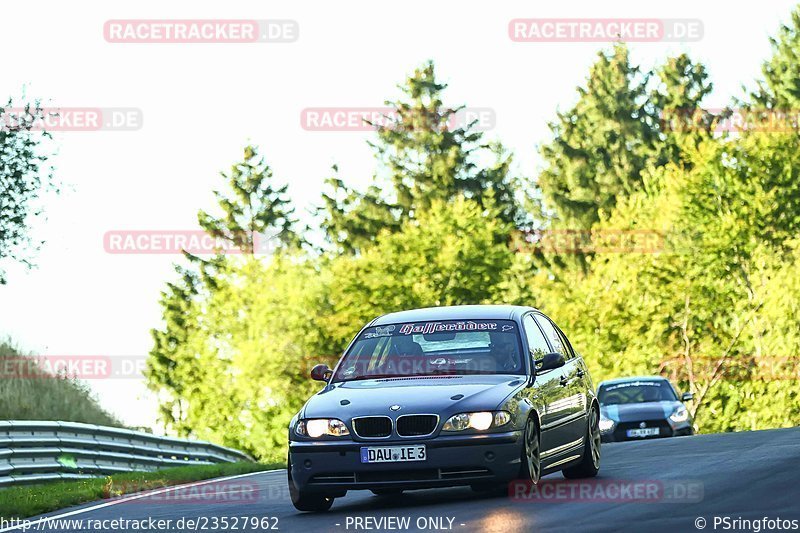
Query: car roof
pixel 454 312
pixel 631 379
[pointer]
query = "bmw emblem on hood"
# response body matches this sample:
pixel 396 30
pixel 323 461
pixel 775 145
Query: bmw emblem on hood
pixel 395 408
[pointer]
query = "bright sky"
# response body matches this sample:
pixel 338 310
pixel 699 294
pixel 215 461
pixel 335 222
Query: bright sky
pixel 202 102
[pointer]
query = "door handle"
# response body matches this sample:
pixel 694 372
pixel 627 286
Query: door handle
pixel 564 381
pixel 580 373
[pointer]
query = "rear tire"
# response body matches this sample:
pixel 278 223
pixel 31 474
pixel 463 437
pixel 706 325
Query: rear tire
pixel 590 463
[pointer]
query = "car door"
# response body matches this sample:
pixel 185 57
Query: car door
pixel 547 393
pixel 582 380
pixel 571 381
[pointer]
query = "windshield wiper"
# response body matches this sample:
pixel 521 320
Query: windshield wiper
pixel 370 376
pixel 384 376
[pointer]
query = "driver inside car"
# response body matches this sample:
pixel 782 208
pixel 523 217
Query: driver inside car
pixel 503 350
pixel 404 356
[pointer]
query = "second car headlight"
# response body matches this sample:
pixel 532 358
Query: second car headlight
pixel 681 414
pixel 605 424
pixel 317 427
pixel 481 420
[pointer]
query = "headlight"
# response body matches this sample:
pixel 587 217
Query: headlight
pixel 481 421
pixel 317 427
pixel 501 418
pixel 681 414
pixel 605 424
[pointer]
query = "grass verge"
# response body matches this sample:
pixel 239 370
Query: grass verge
pixel 31 500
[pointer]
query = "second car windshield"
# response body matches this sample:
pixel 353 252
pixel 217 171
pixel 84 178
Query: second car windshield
pixel 452 347
pixel 636 392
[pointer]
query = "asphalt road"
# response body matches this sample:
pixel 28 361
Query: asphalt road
pixel 659 485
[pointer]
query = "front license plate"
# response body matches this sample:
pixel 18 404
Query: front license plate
pixel 393 454
pixel 643 432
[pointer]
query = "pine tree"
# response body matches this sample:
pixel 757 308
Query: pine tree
pixel 255 207
pixel 426 153
pixel 780 88
pixel 615 131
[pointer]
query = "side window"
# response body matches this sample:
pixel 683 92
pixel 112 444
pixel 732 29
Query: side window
pixel 568 345
pixel 536 341
pixel 559 345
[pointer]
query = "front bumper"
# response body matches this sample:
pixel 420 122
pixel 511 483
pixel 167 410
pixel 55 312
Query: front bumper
pixel 618 432
pixel 335 466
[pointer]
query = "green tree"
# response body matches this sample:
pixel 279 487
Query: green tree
pixel 239 370
pixel 780 87
pixel 680 87
pixel 455 253
pixel 178 303
pixel 702 306
pixel 426 152
pixel 353 219
pixel 184 359
pixel 603 146
pixel 711 300
pixel 255 207
pixel 23 175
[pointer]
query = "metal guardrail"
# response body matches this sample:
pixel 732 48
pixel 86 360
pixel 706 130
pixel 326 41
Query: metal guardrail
pixel 36 451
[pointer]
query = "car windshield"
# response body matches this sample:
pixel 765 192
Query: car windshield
pixel 636 392
pixel 450 347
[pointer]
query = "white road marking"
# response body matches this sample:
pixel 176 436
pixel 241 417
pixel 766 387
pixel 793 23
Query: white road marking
pixel 133 497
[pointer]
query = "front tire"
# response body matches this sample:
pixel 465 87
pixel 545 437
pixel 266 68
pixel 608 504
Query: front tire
pixel 311 502
pixel 590 463
pixel 531 468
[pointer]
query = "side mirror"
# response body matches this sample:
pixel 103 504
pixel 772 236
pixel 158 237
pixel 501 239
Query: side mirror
pixel 686 396
pixel 550 361
pixel 321 373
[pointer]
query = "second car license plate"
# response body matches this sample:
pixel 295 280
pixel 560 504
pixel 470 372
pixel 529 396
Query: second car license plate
pixel 393 454
pixel 643 432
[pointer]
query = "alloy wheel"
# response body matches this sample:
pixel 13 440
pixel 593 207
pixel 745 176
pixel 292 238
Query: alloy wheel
pixel 594 438
pixel 532 452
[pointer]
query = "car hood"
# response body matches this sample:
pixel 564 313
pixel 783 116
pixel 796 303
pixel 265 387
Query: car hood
pixel 429 395
pixel 634 412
